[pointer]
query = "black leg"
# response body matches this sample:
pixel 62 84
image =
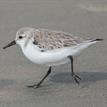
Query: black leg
pixel 75 77
pixel 38 85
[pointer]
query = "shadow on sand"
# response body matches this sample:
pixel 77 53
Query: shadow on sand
pixel 87 77
pixel 6 82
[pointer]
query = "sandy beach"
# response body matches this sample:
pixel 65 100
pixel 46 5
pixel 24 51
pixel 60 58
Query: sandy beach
pixel 82 18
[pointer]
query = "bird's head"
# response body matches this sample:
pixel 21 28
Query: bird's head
pixel 23 36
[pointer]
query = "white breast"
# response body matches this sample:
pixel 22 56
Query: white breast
pixel 45 58
pixel 52 57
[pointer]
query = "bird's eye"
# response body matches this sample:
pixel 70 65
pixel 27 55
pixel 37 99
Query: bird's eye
pixel 20 37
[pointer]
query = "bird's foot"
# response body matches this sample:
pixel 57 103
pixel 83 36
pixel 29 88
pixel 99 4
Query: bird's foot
pixel 34 86
pixel 76 78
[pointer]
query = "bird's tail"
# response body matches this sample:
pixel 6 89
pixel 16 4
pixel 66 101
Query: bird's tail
pixel 97 40
pixel 85 45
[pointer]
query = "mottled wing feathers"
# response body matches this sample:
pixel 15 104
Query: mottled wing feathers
pixel 48 40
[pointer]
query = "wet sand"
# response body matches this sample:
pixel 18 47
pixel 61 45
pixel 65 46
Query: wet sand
pixel 82 18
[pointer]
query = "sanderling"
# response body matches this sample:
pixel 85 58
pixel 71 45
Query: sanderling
pixel 48 47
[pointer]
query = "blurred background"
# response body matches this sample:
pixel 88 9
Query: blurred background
pixel 86 18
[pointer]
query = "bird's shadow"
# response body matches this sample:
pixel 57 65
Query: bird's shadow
pixel 87 77
pixel 6 82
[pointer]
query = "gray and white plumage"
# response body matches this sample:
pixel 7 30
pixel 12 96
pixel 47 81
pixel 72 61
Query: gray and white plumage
pixel 47 47
pixel 50 39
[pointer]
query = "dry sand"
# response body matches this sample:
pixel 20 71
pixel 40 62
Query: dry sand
pixel 80 17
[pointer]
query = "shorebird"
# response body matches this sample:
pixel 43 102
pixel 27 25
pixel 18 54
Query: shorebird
pixel 50 48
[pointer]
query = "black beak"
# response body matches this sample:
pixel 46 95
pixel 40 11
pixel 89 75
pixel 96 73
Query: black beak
pixel 10 44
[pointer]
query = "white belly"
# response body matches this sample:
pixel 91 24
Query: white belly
pixel 47 58
pixel 53 57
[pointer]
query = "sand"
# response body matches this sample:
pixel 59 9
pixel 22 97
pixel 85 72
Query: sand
pixel 82 18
